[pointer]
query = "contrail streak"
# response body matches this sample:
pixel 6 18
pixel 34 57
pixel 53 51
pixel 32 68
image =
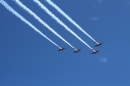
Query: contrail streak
pixel 41 21
pixel 60 22
pixel 70 19
pixel 25 21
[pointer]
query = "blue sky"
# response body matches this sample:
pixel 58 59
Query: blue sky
pixel 28 59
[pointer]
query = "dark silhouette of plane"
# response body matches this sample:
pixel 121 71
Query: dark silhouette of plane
pixel 98 44
pixel 61 49
pixel 95 52
pixel 76 51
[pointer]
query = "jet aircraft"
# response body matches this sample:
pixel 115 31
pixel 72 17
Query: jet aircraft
pixel 98 44
pixel 95 52
pixel 61 49
pixel 76 51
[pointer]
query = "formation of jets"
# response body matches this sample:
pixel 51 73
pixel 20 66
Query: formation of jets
pixel 48 27
pixel 78 50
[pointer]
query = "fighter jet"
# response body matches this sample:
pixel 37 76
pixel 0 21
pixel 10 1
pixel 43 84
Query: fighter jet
pixel 95 52
pixel 61 49
pixel 76 51
pixel 98 44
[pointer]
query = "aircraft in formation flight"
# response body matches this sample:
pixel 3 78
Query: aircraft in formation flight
pixel 46 25
pixel 61 49
pixel 95 52
pixel 78 50
pixel 98 44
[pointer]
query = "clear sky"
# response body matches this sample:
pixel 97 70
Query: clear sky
pixel 28 59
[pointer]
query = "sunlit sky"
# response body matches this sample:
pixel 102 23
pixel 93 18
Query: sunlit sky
pixel 28 59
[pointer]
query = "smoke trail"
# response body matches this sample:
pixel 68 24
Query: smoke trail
pixel 41 21
pixel 70 19
pixel 60 22
pixel 25 21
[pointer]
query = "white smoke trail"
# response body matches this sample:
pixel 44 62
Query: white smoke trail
pixel 25 21
pixel 41 21
pixel 60 22
pixel 70 19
